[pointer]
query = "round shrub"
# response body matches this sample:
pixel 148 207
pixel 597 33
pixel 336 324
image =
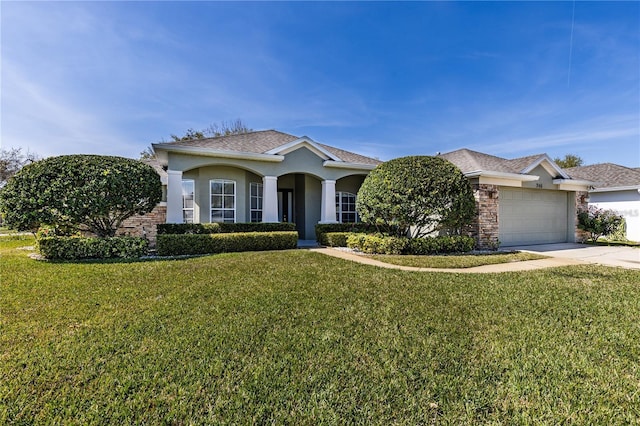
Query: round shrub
pixel 97 192
pixel 415 196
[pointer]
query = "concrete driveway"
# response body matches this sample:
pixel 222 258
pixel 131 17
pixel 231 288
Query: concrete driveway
pixel 625 257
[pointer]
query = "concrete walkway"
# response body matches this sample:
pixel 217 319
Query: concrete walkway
pixel 625 257
pixel 526 265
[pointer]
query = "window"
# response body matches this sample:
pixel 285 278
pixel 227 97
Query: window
pixel 187 200
pixel 256 201
pixel 346 207
pixel 223 200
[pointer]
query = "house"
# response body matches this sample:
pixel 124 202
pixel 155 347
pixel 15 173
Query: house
pixel 270 176
pixel 521 201
pixel 617 188
pixel 261 176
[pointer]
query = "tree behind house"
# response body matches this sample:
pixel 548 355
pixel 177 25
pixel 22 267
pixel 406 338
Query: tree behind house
pixel 224 128
pixel 569 160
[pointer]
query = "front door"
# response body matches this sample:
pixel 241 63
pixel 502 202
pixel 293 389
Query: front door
pixel 285 205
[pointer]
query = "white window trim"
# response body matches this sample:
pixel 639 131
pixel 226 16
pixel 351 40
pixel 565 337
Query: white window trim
pixel 192 209
pixel 339 211
pixel 235 199
pixel 259 197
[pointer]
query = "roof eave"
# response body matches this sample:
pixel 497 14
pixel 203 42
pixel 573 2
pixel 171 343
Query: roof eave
pixel 617 188
pixel 207 152
pixel 588 183
pixel 501 175
pixel 346 165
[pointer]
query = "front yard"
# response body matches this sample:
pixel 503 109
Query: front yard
pixel 296 337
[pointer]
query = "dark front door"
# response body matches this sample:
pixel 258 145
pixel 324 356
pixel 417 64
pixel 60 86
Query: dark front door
pixel 285 205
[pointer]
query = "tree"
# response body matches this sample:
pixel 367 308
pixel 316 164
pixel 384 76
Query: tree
pixel 12 160
pixel 598 222
pixel 415 196
pixel 148 153
pixel 570 160
pixel 235 127
pixel 97 192
pixel 214 130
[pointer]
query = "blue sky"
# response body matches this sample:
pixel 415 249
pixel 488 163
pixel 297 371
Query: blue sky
pixel 381 79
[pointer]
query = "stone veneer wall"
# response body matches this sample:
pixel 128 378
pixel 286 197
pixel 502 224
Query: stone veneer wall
pixel 144 225
pixel 581 204
pixel 485 227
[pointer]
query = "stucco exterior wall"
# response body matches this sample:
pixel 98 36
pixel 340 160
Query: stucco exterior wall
pixel 312 201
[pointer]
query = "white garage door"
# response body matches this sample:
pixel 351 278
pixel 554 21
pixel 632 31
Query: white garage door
pixel 532 216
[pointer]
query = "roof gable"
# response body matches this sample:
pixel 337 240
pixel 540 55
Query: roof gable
pixel 541 160
pixel 304 142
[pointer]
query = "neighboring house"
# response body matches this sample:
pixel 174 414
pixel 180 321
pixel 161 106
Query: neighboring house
pixel 617 188
pixel 528 200
pixel 262 176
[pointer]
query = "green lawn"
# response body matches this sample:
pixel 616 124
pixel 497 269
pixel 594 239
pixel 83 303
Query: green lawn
pixel 456 261
pixel 300 338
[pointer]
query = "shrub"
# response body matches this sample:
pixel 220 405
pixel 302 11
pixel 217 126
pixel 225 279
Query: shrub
pixel 96 191
pixel 76 248
pixel 598 222
pixel 377 244
pixel 214 228
pixel 440 245
pixel 336 239
pixel 324 228
pixel 416 196
pixel 188 228
pixel 189 244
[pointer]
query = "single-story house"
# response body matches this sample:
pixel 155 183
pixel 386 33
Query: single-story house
pixel 527 200
pixel 617 188
pixel 270 176
pixel 261 176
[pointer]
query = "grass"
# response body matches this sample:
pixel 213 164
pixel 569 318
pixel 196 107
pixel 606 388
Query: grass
pixel 296 337
pixel 457 261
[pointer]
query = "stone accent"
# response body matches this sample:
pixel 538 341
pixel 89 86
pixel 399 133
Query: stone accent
pixel 485 228
pixel 144 225
pixel 581 204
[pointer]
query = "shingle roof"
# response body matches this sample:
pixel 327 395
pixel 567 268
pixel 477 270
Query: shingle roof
pixel 470 161
pixel 609 174
pixel 262 141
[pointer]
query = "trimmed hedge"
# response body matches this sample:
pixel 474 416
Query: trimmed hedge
pixel 75 248
pixel 189 244
pixel 324 228
pixel 336 239
pixel 440 245
pixel 378 244
pixel 216 228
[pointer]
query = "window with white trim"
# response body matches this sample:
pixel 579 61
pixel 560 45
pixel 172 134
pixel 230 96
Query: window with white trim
pixel 346 207
pixel 188 189
pixel 223 200
pixel 255 200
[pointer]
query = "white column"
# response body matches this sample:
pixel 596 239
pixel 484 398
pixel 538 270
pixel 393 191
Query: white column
pixel 328 205
pixel 174 196
pixel 270 199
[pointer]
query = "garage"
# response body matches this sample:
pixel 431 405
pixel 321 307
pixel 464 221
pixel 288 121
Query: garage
pixel 532 216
